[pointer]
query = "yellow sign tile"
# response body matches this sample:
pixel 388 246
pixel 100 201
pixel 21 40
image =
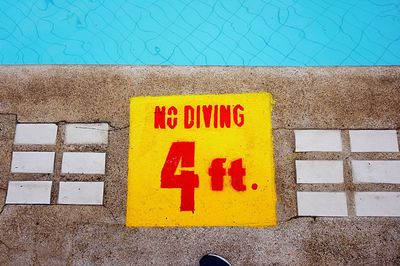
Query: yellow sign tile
pixel 201 160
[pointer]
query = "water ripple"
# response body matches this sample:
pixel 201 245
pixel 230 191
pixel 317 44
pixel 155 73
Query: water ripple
pixel 201 32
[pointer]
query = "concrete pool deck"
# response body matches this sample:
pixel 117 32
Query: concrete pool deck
pixel 333 98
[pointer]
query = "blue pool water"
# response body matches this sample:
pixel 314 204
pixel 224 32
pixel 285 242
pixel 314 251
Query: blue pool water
pixel 201 32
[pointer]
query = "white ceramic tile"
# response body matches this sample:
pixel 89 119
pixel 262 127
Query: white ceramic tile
pixel 377 203
pixel 32 162
pixel 376 171
pixel 321 203
pixel 83 163
pixel 86 133
pixel 83 193
pixel 318 140
pixel 319 171
pixel 43 134
pixel 373 141
pixel 28 192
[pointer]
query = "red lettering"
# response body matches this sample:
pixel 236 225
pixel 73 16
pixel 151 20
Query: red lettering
pixel 215 116
pixel 237 172
pixel 172 121
pixel 187 181
pixel 217 173
pixel 198 116
pixel 189 116
pixel 221 116
pixel 159 117
pixel 207 110
pixel 238 118
pixel 225 116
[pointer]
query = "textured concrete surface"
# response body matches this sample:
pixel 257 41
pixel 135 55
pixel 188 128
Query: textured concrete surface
pixel 311 98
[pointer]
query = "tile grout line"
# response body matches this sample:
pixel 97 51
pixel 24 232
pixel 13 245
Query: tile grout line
pixel 57 163
pixel 398 138
pixel 10 149
pixel 347 175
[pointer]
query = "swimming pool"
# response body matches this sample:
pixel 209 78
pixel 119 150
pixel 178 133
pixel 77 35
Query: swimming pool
pixel 201 32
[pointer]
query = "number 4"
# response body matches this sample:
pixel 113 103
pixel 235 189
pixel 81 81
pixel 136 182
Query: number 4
pixel 187 181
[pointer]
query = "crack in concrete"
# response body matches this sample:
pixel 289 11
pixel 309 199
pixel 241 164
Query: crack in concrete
pixel 91 128
pixel 2 208
pixel 4 244
pixel 12 248
pixel 112 215
pixel 115 128
pixel 336 128
pixel 76 122
pixel 9 114
pixel 299 217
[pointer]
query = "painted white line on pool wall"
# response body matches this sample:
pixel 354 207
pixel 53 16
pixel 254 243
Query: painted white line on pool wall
pixel 376 172
pixel 32 162
pixel 318 140
pixel 377 203
pixel 28 192
pixel 81 193
pixel 373 141
pixel 83 163
pixel 86 133
pixel 319 171
pixel 321 203
pixel 42 134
